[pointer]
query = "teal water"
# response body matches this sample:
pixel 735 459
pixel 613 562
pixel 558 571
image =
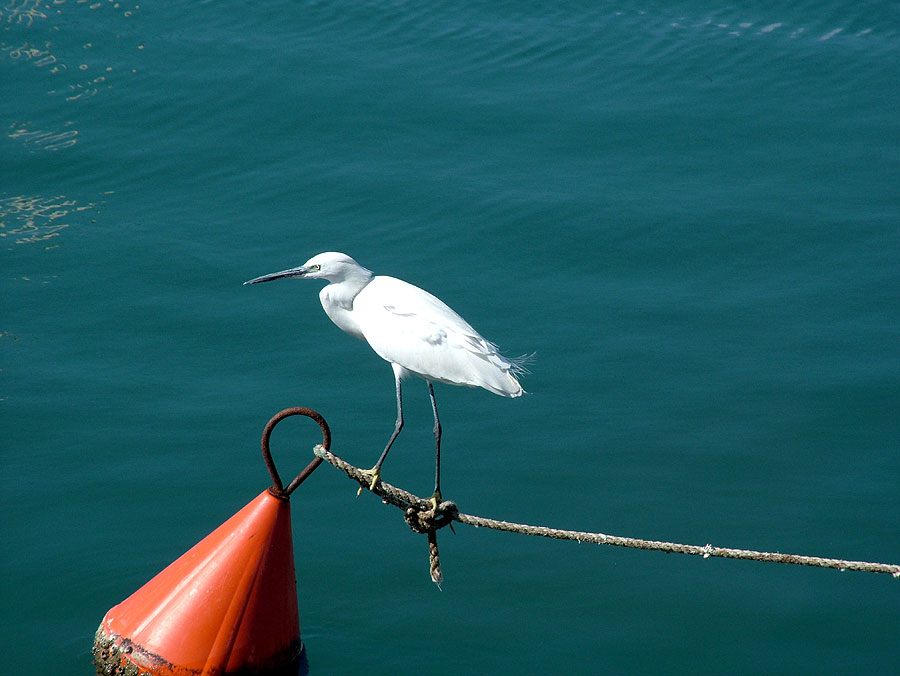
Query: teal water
pixel 690 211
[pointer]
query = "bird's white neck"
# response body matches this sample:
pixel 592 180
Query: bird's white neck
pixel 337 300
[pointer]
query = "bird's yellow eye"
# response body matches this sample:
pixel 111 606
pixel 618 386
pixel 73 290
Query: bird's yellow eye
pixel 314 268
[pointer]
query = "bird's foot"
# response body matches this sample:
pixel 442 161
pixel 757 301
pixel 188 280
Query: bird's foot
pixel 436 501
pixel 375 473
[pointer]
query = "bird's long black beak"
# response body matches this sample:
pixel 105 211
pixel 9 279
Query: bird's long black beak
pixel 293 272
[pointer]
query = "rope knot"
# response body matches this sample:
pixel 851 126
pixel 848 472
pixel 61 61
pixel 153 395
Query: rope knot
pixel 424 518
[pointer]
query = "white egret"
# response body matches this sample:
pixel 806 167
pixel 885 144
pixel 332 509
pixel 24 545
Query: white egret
pixel 414 331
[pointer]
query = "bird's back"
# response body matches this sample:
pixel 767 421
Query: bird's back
pixel 408 326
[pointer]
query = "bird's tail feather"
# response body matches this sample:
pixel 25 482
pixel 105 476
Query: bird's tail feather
pixel 504 380
pixel 519 365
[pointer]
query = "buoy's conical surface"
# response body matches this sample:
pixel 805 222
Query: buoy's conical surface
pixel 227 606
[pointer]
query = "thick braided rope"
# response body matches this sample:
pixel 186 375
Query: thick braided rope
pixel 405 500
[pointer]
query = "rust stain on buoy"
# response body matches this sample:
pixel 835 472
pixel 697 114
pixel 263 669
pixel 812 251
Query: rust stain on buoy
pixel 227 606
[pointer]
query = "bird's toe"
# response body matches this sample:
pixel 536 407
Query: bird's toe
pixel 375 473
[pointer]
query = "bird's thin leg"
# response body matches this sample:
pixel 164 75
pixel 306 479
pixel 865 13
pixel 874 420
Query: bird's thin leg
pixel 436 498
pixel 397 426
pixel 376 470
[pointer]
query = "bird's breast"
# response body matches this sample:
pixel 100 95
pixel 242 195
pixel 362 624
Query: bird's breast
pixel 340 313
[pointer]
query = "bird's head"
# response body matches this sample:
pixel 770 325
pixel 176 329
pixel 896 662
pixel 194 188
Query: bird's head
pixel 331 266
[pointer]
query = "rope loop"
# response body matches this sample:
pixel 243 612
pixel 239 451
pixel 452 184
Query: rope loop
pixel 424 520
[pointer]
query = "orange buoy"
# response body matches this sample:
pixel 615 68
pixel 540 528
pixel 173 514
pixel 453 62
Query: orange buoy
pixel 228 605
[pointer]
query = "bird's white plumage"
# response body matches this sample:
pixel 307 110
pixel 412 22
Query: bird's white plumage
pixel 408 326
pixel 414 331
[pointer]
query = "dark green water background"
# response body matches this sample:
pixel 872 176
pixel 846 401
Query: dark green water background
pixel 689 210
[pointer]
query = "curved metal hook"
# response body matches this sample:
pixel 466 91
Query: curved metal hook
pixel 277 489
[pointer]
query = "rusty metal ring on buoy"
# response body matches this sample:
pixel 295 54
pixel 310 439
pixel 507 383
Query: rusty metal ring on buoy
pixel 277 488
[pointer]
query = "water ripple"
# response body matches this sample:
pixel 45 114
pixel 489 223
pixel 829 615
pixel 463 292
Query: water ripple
pixel 34 218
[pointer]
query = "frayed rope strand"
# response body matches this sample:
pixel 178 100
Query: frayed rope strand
pixel 406 500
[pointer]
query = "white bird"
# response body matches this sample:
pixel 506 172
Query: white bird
pixel 414 331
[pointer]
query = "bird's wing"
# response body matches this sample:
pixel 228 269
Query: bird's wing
pixel 408 326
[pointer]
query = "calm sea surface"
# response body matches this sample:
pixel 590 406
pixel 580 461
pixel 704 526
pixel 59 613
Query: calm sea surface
pixel 689 210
